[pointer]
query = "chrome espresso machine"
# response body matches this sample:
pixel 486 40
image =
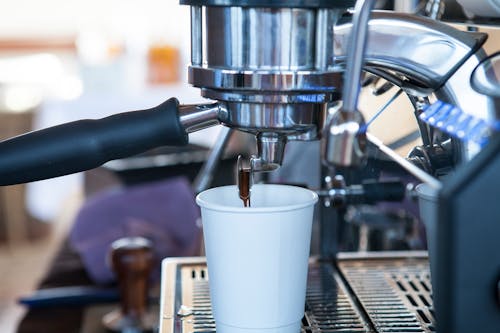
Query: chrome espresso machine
pixel 292 71
pixel 279 69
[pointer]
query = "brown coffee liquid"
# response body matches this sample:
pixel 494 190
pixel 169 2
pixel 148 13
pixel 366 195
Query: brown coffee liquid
pixel 244 175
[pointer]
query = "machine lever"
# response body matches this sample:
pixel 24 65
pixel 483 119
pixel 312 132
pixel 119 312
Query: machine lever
pixel 85 144
pixel 369 192
pixel 376 191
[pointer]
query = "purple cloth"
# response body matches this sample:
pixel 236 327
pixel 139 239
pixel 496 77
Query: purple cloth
pixel 164 212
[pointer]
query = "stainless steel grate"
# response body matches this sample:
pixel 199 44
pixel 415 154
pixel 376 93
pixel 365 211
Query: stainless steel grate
pixel 203 321
pixel 361 295
pixel 329 307
pixel 395 293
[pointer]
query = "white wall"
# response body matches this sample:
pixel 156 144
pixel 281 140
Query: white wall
pixel 153 19
pixel 96 24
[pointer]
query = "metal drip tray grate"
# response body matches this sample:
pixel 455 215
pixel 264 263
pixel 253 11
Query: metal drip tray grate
pixel 329 306
pixel 395 293
pixel 361 295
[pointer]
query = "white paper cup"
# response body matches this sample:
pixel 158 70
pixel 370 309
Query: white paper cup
pixel 258 256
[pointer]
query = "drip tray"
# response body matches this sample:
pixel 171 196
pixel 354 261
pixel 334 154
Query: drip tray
pixel 377 292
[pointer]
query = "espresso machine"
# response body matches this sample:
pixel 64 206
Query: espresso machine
pixel 292 71
pixel 275 67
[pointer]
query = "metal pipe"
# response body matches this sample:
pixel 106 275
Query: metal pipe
pixel 196 36
pixel 411 168
pixel 356 53
pixel 435 9
pixel 196 117
pixel 405 6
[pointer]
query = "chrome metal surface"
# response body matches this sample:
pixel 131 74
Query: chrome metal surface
pixel 411 168
pixel 374 292
pixel 298 121
pixel 435 9
pixel 262 97
pixel 260 38
pixel 267 65
pixel 325 21
pixel 274 3
pixel 196 35
pixel 405 6
pixel 424 50
pixel 345 139
pixel 271 68
pixel 270 151
pixel 195 117
pixel 403 43
pixel 345 136
pixel 485 78
pixel 335 192
pixel 356 54
pixel 268 80
pixel 463 96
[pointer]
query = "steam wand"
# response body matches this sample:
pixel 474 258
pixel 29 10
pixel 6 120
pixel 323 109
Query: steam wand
pixel 346 132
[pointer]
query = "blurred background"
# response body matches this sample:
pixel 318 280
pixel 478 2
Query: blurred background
pixel 62 60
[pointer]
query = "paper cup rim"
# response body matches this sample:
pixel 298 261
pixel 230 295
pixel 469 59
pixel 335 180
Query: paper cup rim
pixel 216 207
pixel 426 192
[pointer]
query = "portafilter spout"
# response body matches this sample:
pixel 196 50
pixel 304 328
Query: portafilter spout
pixel 85 144
pixel 270 151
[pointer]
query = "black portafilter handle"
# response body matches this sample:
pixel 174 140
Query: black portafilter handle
pixel 85 144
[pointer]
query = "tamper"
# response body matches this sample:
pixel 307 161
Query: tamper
pixel 132 260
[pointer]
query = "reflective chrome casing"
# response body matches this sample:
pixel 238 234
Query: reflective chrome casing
pixel 271 67
pixel 274 70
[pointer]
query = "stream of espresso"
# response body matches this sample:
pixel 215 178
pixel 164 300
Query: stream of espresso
pixel 244 179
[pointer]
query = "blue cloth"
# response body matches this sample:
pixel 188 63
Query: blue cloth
pixel 164 212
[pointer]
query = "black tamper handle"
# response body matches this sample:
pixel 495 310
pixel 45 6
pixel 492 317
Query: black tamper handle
pixel 389 190
pixel 85 144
